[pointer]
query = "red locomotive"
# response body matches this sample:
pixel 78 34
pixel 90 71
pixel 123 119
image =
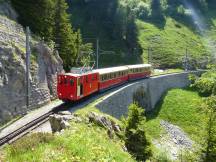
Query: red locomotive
pixel 81 82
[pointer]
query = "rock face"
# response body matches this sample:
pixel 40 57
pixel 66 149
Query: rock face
pixel 45 64
pixel 5 9
pixel 61 120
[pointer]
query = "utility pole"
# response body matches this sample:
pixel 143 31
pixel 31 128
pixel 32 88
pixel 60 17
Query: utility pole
pixel 28 53
pixel 186 60
pixel 97 52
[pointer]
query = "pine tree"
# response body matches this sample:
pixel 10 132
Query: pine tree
pixel 65 38
pixel 135 138
pixel 156 10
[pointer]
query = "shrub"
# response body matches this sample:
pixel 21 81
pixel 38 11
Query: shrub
pixel 210 151
pixel 206 85
pixel 135 137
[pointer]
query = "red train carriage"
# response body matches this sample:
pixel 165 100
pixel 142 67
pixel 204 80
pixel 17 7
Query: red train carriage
pixel 78 84
pixel 74 86
pixel 110 77
pixel 139 71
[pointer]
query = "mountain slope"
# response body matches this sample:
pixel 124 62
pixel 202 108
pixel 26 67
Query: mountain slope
pixel 131 27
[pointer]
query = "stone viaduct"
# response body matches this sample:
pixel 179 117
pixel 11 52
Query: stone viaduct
pixel 147 92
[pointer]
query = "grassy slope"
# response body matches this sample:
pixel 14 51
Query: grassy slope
pixel 88 142
pixel 170 42
pixel 83 142
pixel 183 108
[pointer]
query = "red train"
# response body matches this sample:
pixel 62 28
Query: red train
pixel 81 83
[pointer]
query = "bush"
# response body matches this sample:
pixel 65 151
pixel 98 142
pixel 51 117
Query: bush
pixel 206 85
pixel 210 151
pixel 135 137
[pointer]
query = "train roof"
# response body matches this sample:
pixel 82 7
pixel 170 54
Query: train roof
pixel 139 66
pixel 111 70
pixel 77 72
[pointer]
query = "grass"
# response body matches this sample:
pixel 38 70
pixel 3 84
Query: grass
pixel 82 142
pixel 88 142
pixel 168 39
pixel 184 108
pixel 169 43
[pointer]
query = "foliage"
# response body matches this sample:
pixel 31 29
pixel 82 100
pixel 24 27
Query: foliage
pixel 156 10
pixel 192 78
pixel 64 36
pixel 49 19
pixel 38 15
pixel 210 151
pixel 135 138
pixel 186 109
pixel 206 84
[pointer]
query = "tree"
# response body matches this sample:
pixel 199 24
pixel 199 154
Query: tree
pixel 65 38
pixel 38 15
pixel 156 10
pixel 210 150
pixel 135 138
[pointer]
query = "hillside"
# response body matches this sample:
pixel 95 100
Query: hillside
pixel 131 27
pixel 172 130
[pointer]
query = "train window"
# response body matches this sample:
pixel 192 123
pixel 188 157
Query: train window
pixel 71 82
pixel 102 78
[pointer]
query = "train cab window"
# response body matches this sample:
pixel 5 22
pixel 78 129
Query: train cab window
pixel 71 82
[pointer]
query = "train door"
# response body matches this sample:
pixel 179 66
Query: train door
pixel 79 88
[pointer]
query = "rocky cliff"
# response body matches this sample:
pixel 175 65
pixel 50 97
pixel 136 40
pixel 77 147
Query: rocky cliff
pixel 45 64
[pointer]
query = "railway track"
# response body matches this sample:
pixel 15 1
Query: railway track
pixel 27 128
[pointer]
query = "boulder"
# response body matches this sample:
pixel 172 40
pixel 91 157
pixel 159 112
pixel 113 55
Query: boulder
pixel 58 123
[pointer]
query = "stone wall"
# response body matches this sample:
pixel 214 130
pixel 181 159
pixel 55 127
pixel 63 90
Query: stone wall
pixel 146 92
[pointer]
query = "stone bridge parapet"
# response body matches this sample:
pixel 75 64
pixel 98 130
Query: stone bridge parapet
pixel 146 92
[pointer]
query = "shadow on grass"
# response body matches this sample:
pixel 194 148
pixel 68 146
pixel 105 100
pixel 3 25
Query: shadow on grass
pixel 155 112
